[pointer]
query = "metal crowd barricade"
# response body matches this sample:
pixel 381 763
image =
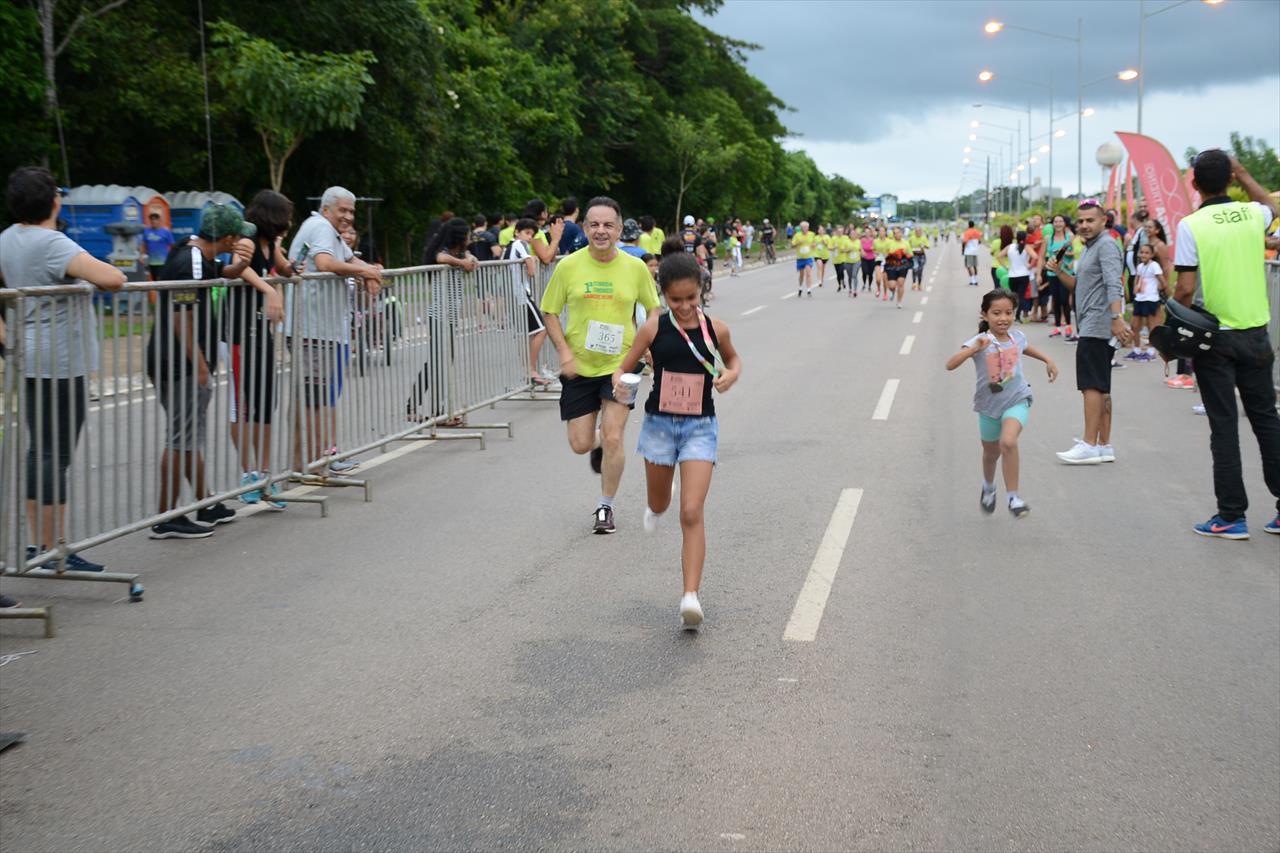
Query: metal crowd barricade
pixel 106 418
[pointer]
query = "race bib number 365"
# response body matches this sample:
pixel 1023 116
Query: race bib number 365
pixel 604 338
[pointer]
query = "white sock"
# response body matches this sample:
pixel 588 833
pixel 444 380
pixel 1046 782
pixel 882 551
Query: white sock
pixel 988 487
pixel 1014 500
pixel 604 501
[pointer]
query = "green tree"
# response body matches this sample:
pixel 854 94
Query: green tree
pixel 288 96
pixel 697 151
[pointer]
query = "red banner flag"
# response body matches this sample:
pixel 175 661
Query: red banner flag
pixel 1111 187
pixel 1192 193
pixel 1128 187
pixel 1162 186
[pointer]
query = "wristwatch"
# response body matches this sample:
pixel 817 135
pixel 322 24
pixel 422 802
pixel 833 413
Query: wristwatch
pixel 1119 316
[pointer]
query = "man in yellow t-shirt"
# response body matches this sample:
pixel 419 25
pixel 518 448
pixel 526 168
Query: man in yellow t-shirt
pixel 507 233
pixel 919 244
pixel 804 242
pixel 601 288
pixel 651 236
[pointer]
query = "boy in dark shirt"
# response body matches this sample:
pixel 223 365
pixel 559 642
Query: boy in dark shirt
pixel 182 354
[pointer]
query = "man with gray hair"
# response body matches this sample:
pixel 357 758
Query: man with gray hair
pixel 319 317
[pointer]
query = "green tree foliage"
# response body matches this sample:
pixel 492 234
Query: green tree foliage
pixel 472 107
pixel 288 97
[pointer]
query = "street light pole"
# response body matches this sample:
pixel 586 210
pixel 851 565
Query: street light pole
pixel 1079 107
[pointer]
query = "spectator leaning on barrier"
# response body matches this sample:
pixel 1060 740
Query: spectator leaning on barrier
pixel 250 317
pixel 156 243
pixel 319 317
pixel 60 343
pixel 484 245
pixel 547 240
pixel 1098 287
pixel 1220 249
pixel 522 276
pixel 182 356
pixel 449 248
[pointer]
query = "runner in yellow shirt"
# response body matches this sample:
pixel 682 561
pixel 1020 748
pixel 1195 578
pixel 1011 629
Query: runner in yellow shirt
pixel 601 287
pixel 651 236
pixel 919 245
pixel 804 243
pixel 821 254
pixel 897 261
pixel 882 289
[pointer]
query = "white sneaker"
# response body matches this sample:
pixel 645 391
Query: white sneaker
pixel 1198 408
pixel 1106 453
pixel 651 520
pixel 690 611
pixel 1081 454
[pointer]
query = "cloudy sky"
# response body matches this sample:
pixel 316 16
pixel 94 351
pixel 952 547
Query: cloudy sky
pixel 883 92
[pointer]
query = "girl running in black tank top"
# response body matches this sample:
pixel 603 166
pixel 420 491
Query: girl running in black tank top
pixel 692 354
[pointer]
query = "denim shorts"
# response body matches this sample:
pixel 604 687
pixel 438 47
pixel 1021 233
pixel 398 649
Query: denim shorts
pixel 671 439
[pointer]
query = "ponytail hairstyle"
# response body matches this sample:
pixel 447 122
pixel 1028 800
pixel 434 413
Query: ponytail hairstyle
pixel 990 298
pixel 1021 237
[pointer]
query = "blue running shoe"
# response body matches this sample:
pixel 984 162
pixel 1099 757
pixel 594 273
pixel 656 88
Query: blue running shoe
pixel 273 491
pixel 1273 526
pixel 1223 529
pixel 253 495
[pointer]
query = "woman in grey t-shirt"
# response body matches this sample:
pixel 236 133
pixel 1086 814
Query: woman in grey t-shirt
pixel 60 346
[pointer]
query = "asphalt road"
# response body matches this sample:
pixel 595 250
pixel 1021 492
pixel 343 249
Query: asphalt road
pixel 460 665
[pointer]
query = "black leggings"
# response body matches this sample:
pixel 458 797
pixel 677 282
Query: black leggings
pixel 424 382
pixel 1061 299
pixel 839 274
pixel 55 415
pixel 868 271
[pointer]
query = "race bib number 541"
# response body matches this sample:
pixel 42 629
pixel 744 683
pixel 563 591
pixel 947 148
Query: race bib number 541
pixel 604 338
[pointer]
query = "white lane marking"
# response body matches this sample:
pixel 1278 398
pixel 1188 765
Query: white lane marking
pixel 929 289
pixel 924 300
pixel 753 310
pixel 918 317
pixel 789 295
pixel 886 400
pixel 381 459
pixel 907 343
pixel 806 616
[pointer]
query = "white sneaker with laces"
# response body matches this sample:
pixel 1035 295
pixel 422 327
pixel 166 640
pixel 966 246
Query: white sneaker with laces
pixel 1106 453
pixel 690 611
pixel 1081 454
pixel 651 520
pixel 1198 408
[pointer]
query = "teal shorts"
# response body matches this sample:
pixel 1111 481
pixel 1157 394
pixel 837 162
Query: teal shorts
pixel 989 428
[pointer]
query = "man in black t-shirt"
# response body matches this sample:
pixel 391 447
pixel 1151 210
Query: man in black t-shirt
pixel 182 354
pixel 483 244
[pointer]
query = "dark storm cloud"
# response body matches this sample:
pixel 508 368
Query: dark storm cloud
pixel 845 66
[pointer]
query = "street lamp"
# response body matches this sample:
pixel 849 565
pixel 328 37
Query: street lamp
pixel 1128 74
pixel 993 27
pixel 1143 14
pixel 985 76
pixel 1087 111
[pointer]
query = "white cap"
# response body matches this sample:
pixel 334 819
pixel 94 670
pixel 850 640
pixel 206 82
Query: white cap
pixel 688 220
pixel 766 222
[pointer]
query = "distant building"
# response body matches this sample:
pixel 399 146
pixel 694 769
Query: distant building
pixel 888 206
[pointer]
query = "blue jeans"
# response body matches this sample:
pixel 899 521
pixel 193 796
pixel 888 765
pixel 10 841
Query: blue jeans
pixel 671 439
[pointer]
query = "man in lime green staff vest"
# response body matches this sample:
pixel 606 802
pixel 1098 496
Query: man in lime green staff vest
pixel 1222 245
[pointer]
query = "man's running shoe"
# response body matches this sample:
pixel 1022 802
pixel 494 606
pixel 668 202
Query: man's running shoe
pixel 604 520
pixel 180 528
pixel 1220 529
pixel 1106 453
pixel 596 458
pixel 1070 338
pixel 1081 454
pixel 1181 381
pixel 1198 408
pixel 690 611
pixel 988 500
pixel 7 602
pixel 1018 508
pixel 253 495
pixel 219 513
pixel 1273 526
pixel 1133 355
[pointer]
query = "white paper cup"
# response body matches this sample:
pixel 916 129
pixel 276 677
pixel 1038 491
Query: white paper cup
pixel 631 386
